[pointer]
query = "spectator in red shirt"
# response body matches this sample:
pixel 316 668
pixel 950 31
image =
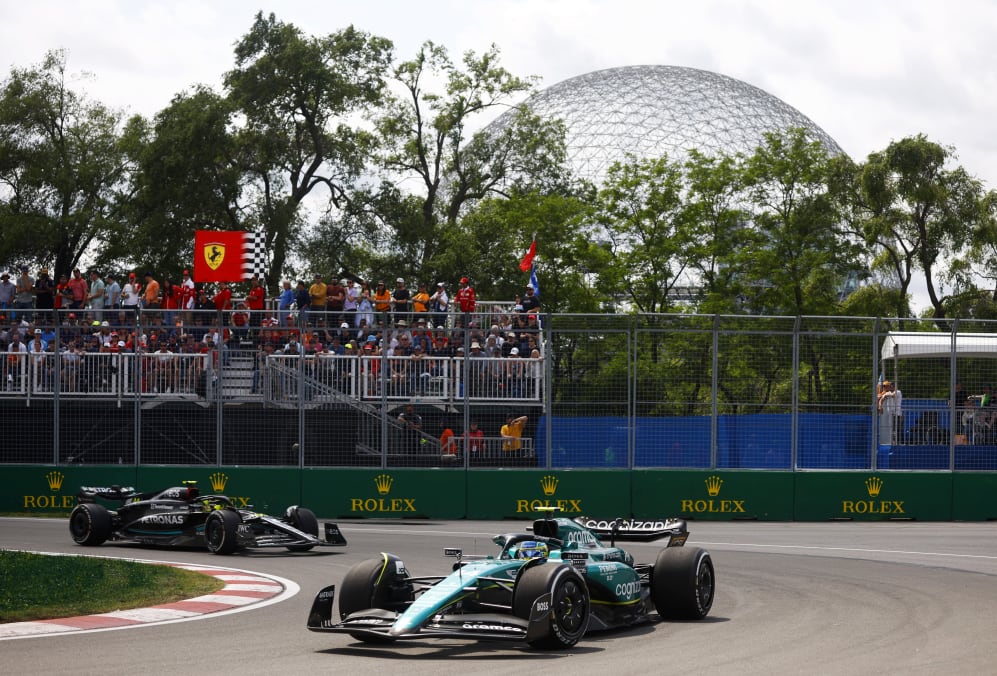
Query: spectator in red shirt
pixel 465 296
pixel 255 301
pixel 223 299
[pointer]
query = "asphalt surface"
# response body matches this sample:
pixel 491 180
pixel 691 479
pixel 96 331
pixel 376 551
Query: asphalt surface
pixel 792 598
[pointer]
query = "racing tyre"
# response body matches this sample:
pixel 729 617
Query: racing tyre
pixel 220 531
pixel 569 612
pixel 375 583
pixel 683 583
pixel 90 524
pixel 304 520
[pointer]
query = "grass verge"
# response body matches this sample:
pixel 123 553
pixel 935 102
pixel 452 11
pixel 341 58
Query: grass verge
pixel 39 587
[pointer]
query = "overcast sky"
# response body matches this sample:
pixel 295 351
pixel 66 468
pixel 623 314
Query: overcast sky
pixel 867 72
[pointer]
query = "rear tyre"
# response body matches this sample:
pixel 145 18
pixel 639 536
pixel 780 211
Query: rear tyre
pixel 220 531
pixel 569 614
pixel 375 583
pixel 90 524
pixel 683 583
pixel 304 520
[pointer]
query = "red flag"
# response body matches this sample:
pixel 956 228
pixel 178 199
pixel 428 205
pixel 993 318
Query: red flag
pixel 527 261
pixel 226 256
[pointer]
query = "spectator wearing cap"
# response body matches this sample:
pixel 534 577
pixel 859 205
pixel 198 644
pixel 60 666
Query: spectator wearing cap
pixel 530 303
pixel 24 296
pixel 256 302
pixel 7 291
pixel 112 291
pixel 420 301
pixel 465 298
pixel 401 298
pixel 97 296
pixel 439 304
pixel 382 303
pixel 131 293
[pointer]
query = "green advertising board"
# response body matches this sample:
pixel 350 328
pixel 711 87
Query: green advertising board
pixel 516 493
pixel 973 497
pixel 50 489
pixel 718 495
pixel 270 490
pixel 379 493
pixel 873 496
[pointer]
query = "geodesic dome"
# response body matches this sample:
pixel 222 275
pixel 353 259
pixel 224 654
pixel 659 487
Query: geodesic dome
pixel 650 111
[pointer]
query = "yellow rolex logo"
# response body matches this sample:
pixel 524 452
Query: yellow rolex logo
pixel 218 481
pixel 549 484
pixel 55 480
pixel 874 485
pixel 713 484
pixel 383 483
pixel 214 254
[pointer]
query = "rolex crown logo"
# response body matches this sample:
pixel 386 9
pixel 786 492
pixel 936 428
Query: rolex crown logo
pixel 218 481
pixel 55 480
pixel 874 485
pixel 549 484
pixel 383 483
pixel 713 484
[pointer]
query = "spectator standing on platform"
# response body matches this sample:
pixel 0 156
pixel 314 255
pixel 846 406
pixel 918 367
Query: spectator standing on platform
pixel 188 296
pixel 382 304
pixel 401 298
pixel 131 294
pixel 365 307
pixel 336 301
pixel 465 300
pixel 447 444
pixel 530 302
pixel 7 291
pixel 256 301
pixel 303 300
pixel 439 304
pixel 351 300
pixel 891 414
pixel 474 439
pixel 45 296
pixel 420 301
pixel 285 299
pixel 512 433
pixel 151 295
pixel 412 422
pixel 113 292
pixel 24 295
pixel 223 299
pixel 317 292
pixel 97 296
pixel 78 286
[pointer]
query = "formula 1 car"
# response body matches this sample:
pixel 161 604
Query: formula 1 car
pixel 547 588
pixel 182 517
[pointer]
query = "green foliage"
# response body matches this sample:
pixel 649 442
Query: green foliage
pixel 37 587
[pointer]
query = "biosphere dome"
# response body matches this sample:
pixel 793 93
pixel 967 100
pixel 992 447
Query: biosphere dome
pixel 650 111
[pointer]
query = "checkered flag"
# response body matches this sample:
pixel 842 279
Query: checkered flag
pixel 254 255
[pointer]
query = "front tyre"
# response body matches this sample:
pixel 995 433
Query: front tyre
pixel 569 613
pixel 220 531
pixel 683 583
pixel 304 520
pixel 90 524
pixel 375 583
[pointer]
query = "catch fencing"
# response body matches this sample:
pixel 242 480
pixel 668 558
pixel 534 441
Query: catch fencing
pixel 582 391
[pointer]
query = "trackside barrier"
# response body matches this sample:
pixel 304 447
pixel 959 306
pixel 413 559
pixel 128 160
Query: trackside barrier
pixel 515 494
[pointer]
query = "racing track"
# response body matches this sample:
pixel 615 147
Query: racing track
pixel 839 598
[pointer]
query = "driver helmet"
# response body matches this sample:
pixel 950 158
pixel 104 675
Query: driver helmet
pixel 531 549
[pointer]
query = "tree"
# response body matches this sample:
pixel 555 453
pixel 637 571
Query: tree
pixel 296 97
pixel 921 214
pixel 61 166
pixel 641 211
pixel 800 254
pixel 427 136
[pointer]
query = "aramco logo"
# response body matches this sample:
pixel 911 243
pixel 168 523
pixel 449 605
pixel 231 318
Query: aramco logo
pixel 873 488
pixel 383 484
pixel 54 481
pixel 548 485
pixel 712 504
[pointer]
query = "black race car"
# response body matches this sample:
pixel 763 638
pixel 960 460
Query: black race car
pixel 181 516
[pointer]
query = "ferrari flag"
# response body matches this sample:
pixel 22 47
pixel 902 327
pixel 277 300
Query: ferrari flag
pixel 527 261
pixel 227 256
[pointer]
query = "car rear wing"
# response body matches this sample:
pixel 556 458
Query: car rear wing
pixel 90 493
pixel 637 529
